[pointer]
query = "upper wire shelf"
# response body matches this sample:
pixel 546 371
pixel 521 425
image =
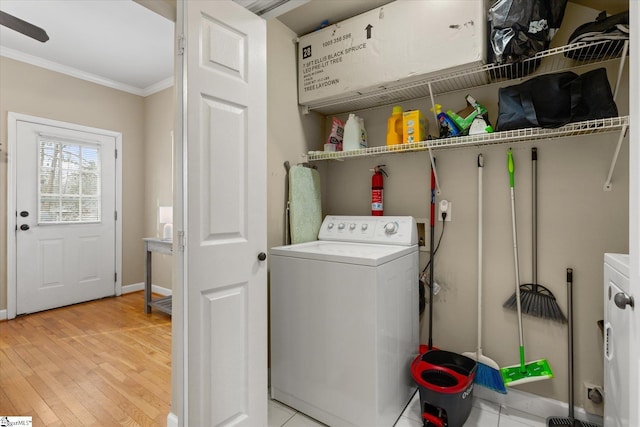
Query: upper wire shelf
pixel 613 124
pixel 553 60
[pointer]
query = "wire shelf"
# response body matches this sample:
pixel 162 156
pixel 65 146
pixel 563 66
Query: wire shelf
pixel 613 124
pixel 552 60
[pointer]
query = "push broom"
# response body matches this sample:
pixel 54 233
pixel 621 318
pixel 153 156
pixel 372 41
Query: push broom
pixel 535 299
pixel 539 369
pixel 487 371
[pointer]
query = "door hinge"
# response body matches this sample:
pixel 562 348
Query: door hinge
pixel 181 241
pixel 116 153
pixel 115 215
pixel 180 44
pixel 115 277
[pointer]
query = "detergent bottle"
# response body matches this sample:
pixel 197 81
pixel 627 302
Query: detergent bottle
pixel 394 127
pixel 363 132
pixel 351 138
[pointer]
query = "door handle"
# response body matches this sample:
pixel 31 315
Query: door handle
pixel 622 300
pixel 262 256
pixel 24 227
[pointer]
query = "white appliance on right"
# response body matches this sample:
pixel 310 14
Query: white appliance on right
pixel 617 320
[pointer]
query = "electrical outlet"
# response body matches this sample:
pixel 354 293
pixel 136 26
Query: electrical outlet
pixel 593 399
pixel 444 206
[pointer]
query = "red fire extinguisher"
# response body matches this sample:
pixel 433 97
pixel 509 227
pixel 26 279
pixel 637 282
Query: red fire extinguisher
pixel 377 184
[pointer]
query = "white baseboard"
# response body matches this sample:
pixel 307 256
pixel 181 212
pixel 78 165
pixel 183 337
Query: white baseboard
pixel 172 420
pixel 534 404
pixel 165 292
pixel 126 289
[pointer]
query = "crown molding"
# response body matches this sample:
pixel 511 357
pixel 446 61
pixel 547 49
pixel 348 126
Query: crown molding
pixel 73 72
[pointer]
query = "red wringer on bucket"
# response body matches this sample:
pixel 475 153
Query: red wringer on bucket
pixel 445 383
pixel 444 379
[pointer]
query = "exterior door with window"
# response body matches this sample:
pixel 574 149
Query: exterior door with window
pixel 65 216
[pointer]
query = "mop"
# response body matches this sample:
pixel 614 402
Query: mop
pixel 539 369
pixel 488 371
pixel 569 421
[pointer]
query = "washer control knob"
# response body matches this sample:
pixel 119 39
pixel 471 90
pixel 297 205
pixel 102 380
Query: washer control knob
pixel 352 227
pixel 391 228
pixel 364 227
pixel 330 225
pixel 341 226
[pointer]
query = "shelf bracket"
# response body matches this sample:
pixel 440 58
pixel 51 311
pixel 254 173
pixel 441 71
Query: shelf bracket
pixel 623 133
pixel 623 58
pixel 305 109
pixel 433 166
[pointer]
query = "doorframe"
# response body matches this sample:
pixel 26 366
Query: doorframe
pixel 12 124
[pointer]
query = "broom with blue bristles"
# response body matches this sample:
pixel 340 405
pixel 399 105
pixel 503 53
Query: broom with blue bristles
pixel 487 371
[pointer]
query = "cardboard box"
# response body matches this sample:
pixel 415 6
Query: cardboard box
pixel 400 42
pixel 414 126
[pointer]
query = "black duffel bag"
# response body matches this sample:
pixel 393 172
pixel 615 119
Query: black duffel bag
pixel 553 100
pixel 603 37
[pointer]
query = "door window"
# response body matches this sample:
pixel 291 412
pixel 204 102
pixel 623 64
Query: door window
pixel 69 182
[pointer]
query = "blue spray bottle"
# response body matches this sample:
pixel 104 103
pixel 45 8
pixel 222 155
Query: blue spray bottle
pixel 447 125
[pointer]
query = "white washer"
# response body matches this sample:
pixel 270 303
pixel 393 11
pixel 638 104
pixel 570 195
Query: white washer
pixel 617 332
pixel 344 321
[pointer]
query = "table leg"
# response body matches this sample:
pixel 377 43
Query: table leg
pixel 147 285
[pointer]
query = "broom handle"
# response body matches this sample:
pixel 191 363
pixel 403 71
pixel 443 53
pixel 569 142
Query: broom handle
pixel 511 168
pixel 480 167
pixel 432 222
pixel 534 204
pixel 570 320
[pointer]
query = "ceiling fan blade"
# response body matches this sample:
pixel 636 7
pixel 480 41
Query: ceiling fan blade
pixel 23 27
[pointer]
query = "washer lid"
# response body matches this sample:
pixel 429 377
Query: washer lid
pixel 344 252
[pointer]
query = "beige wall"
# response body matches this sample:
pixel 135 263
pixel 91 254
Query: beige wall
pixel 158 125
pixel 31 90
pixel 578 222
pixel 289 132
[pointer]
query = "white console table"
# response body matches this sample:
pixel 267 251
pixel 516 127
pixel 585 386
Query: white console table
pixel 164 247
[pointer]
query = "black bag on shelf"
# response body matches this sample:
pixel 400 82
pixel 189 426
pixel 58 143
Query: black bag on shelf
pixel 522 28
pixel 553 100
pixel 604 37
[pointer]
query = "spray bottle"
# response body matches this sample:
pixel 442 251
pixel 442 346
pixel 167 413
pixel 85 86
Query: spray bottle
pixel 447 125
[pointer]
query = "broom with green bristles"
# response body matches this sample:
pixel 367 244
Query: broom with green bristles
pixel 487 371
pixel 539 369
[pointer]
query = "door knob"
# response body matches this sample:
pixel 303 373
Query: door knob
pixel 262 256
pixel 622 300
pixel 24 227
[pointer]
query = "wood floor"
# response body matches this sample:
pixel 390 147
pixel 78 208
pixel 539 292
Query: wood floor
pixel 101 363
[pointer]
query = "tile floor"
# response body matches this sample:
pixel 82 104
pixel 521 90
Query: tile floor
pixel 483 414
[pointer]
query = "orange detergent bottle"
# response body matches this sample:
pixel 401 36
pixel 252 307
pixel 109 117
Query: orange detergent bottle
pixel 394 127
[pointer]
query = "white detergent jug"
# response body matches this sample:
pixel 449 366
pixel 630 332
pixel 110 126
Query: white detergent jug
pixel 351 138
pixel 363 132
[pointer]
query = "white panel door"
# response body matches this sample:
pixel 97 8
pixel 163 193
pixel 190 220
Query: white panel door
pixel 225 197
pixel 634 216
pixel 65 225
